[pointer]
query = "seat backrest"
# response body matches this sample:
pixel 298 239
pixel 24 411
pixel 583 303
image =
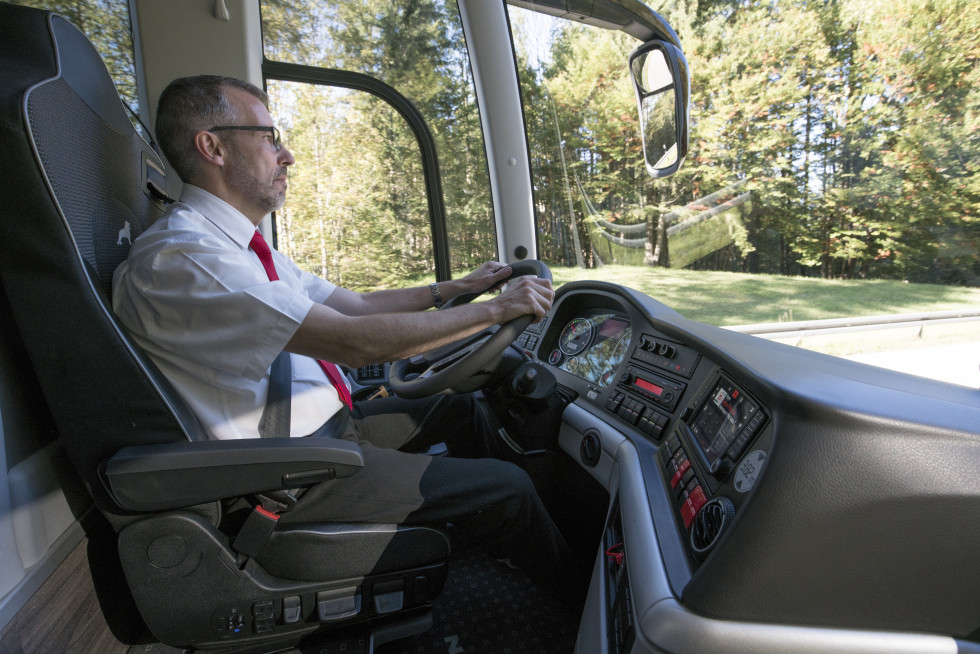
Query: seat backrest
pixel 75 179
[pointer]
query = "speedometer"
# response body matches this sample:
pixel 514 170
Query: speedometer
pixel 576 336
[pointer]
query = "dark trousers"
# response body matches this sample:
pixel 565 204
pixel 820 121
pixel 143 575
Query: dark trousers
pixel 487 500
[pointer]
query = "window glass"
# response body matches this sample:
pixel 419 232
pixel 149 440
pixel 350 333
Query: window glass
pixel 583 134
pixel 417 48
pixel 356 211
pixel 832 169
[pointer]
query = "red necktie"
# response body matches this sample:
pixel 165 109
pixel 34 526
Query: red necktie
pixel 261 248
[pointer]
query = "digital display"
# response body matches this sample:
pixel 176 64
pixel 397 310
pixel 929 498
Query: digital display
pixel 721 418
pixel 612 328
pixel 648 387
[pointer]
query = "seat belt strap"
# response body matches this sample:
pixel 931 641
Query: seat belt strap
pixel 278 405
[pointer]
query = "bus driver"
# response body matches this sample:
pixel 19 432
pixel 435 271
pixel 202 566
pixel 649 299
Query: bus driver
pixel 197 296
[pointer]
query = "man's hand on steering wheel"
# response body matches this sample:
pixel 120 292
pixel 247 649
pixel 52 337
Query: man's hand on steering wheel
pixel 464 365
pixel 486 277
pixel 526 296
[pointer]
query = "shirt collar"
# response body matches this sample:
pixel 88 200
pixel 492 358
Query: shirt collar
pixel 225 217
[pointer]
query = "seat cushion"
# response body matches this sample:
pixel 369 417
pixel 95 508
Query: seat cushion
pixel 309 552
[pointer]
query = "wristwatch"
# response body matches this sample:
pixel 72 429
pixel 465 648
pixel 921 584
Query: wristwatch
pixel 436 295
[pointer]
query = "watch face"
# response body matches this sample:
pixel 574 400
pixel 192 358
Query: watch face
pixel 436 295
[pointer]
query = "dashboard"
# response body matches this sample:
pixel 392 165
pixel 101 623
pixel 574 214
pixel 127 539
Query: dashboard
pixel 763 498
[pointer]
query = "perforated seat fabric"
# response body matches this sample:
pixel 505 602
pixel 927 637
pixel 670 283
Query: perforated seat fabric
pixel 73 199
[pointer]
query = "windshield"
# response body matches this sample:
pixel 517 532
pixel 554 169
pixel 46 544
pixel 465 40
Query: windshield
pixel 832 169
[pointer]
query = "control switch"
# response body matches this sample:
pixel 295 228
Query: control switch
pixel 333 605
pixel 389 597
pixel 292 609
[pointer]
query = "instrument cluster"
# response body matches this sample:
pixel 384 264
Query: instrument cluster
pixel 592 345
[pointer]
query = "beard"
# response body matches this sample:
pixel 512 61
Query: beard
pixel 263 193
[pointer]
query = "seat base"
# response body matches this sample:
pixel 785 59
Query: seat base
pixel 192 589
pixel 359 639
pixel 311 552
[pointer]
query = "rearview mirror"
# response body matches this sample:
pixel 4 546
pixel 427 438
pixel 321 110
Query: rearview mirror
pixel 662 84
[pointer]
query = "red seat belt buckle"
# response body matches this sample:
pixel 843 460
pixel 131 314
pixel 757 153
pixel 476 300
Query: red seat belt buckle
pixel 256 531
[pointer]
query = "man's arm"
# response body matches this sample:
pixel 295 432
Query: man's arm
pixel 356 340
pixel 419 298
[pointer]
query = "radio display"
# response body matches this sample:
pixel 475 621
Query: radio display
pixel 721 418
pixel 648 386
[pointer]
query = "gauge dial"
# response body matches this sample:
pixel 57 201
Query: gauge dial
pixel 621 346
pixel 576 336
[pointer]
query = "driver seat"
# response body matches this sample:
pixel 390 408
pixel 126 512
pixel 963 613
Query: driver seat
pixel 79 185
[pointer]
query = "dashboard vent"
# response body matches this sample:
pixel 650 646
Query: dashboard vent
pixel 709 524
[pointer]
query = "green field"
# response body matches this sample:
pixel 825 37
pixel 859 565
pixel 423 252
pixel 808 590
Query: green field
pixel 722 298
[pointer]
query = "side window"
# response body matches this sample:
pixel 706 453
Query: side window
pixel 357 211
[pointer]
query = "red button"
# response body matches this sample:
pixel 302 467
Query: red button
pixel 681 469
pixel 697 498
pixel 687 514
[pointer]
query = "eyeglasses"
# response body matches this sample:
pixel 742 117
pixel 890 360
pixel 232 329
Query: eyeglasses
pixel 276 137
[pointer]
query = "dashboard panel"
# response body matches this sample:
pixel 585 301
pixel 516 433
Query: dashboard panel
pixel 661 390
pixel 773 489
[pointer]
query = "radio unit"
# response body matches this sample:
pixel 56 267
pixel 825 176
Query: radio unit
pixel 660 390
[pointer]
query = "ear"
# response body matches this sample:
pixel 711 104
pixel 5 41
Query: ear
pixel 210 148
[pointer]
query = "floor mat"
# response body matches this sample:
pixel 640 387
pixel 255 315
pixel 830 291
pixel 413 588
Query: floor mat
pixel 489 607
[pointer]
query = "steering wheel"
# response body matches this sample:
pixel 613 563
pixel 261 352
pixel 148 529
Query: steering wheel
pixel 453 367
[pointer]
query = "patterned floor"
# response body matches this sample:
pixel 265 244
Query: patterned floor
pixel 489 607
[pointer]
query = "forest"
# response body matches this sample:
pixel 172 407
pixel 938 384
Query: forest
pixel 840 135
pixel 849 126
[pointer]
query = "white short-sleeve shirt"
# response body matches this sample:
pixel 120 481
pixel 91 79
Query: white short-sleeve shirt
pixel 199 302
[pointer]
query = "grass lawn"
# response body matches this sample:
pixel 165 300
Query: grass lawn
pixel 723 298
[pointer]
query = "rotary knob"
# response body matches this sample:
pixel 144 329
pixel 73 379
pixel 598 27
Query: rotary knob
pixel 720 469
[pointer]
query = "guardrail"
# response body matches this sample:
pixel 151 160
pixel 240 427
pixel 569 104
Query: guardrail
pixel 773 330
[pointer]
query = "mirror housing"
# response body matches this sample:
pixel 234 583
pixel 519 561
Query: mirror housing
pixel 662 83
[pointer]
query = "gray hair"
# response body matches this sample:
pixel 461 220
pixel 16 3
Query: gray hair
pixel 189 105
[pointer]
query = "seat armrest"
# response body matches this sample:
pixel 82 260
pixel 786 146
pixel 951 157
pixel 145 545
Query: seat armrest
pixel 173 475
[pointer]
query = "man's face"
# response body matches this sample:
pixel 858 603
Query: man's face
pixel 254 169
